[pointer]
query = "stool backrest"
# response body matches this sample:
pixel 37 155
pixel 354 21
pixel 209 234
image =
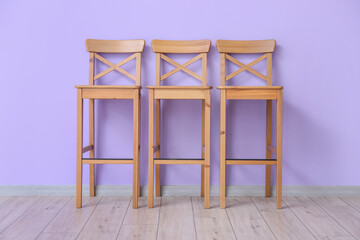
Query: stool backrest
pixel 95 46
pixel 161 47
pixel 226 47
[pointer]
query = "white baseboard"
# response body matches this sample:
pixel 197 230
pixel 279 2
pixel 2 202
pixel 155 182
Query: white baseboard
pixel 178 190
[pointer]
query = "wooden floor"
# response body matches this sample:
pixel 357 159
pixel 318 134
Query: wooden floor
pixel 180 218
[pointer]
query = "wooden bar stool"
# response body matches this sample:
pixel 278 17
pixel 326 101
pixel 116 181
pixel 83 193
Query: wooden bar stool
pixel 92 92
pixel 157 92
pixel 268 93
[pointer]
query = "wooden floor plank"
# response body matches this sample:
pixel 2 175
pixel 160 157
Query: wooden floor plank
pixel 316 220
pixel 180 218
pixel 57 236
pixel 143 215
pixel 352 201
pixel 30 224
pixel 141 223
pixel 176 219
pixel 70 220
pixel 211 223
pixel 137 232
pixel 342 213
pixel 247 220
pixel 14 208
pixel 282 222
pixel 106 219
pixel 4 199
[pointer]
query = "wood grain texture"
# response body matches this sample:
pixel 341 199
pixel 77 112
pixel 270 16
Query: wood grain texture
pixel 179 161
pixel 352 201
pixel 179 94
pixel 4 199
pixel 182 217
pixel 79 146
pixel 171 46
pixel 141 223
pixel 180 87
pixel 151 150
pixel 222 148
pixel 316 220
pixel 283 223
pixel 136 147
pixel 70 221
pixel 57 236
pixel 176 219
pixel 246 219
pixel 136 232
pixel 279 118
pixel 251 87
pixel 105 221
pixel 207 150
pixel 92 149
pixel 202 188
pixel 30 224
pixel 108 87
pixel 157 143
pixel 269 69
pixel 343 213
pixel 143 215
pixel 114 46
pixel 14 208
pixel 211 223
pixel 255 46
pixel 251 94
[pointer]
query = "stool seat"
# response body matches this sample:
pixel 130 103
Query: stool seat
pixel 179 92
pixel 107 87
pixel 251 87
pixel 108 91
pixel 251 92
pixel 180 87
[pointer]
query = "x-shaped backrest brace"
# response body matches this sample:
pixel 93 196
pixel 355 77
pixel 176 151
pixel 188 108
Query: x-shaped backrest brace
pixel 115 66
pixel 246 67
pixel 183 67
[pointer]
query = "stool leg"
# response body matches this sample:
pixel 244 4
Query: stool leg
pixel 79 141
pixel 92 180
pixel 222 147
pixel 268 142
pixel 92 151
pixel 279 151
pixel 207 151
pixel 157 143
pixel 202 144
pixel 151 150
pixel 135 148
pixel 157 180
pixel 138 165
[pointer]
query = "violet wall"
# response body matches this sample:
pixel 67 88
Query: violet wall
pixel 316 60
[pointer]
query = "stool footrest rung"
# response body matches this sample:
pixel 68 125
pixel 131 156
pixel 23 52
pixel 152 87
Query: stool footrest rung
pixel 193 161
pixel 107 160
pixel 233 161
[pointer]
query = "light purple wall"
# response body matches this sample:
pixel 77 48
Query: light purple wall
pixel 42 57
